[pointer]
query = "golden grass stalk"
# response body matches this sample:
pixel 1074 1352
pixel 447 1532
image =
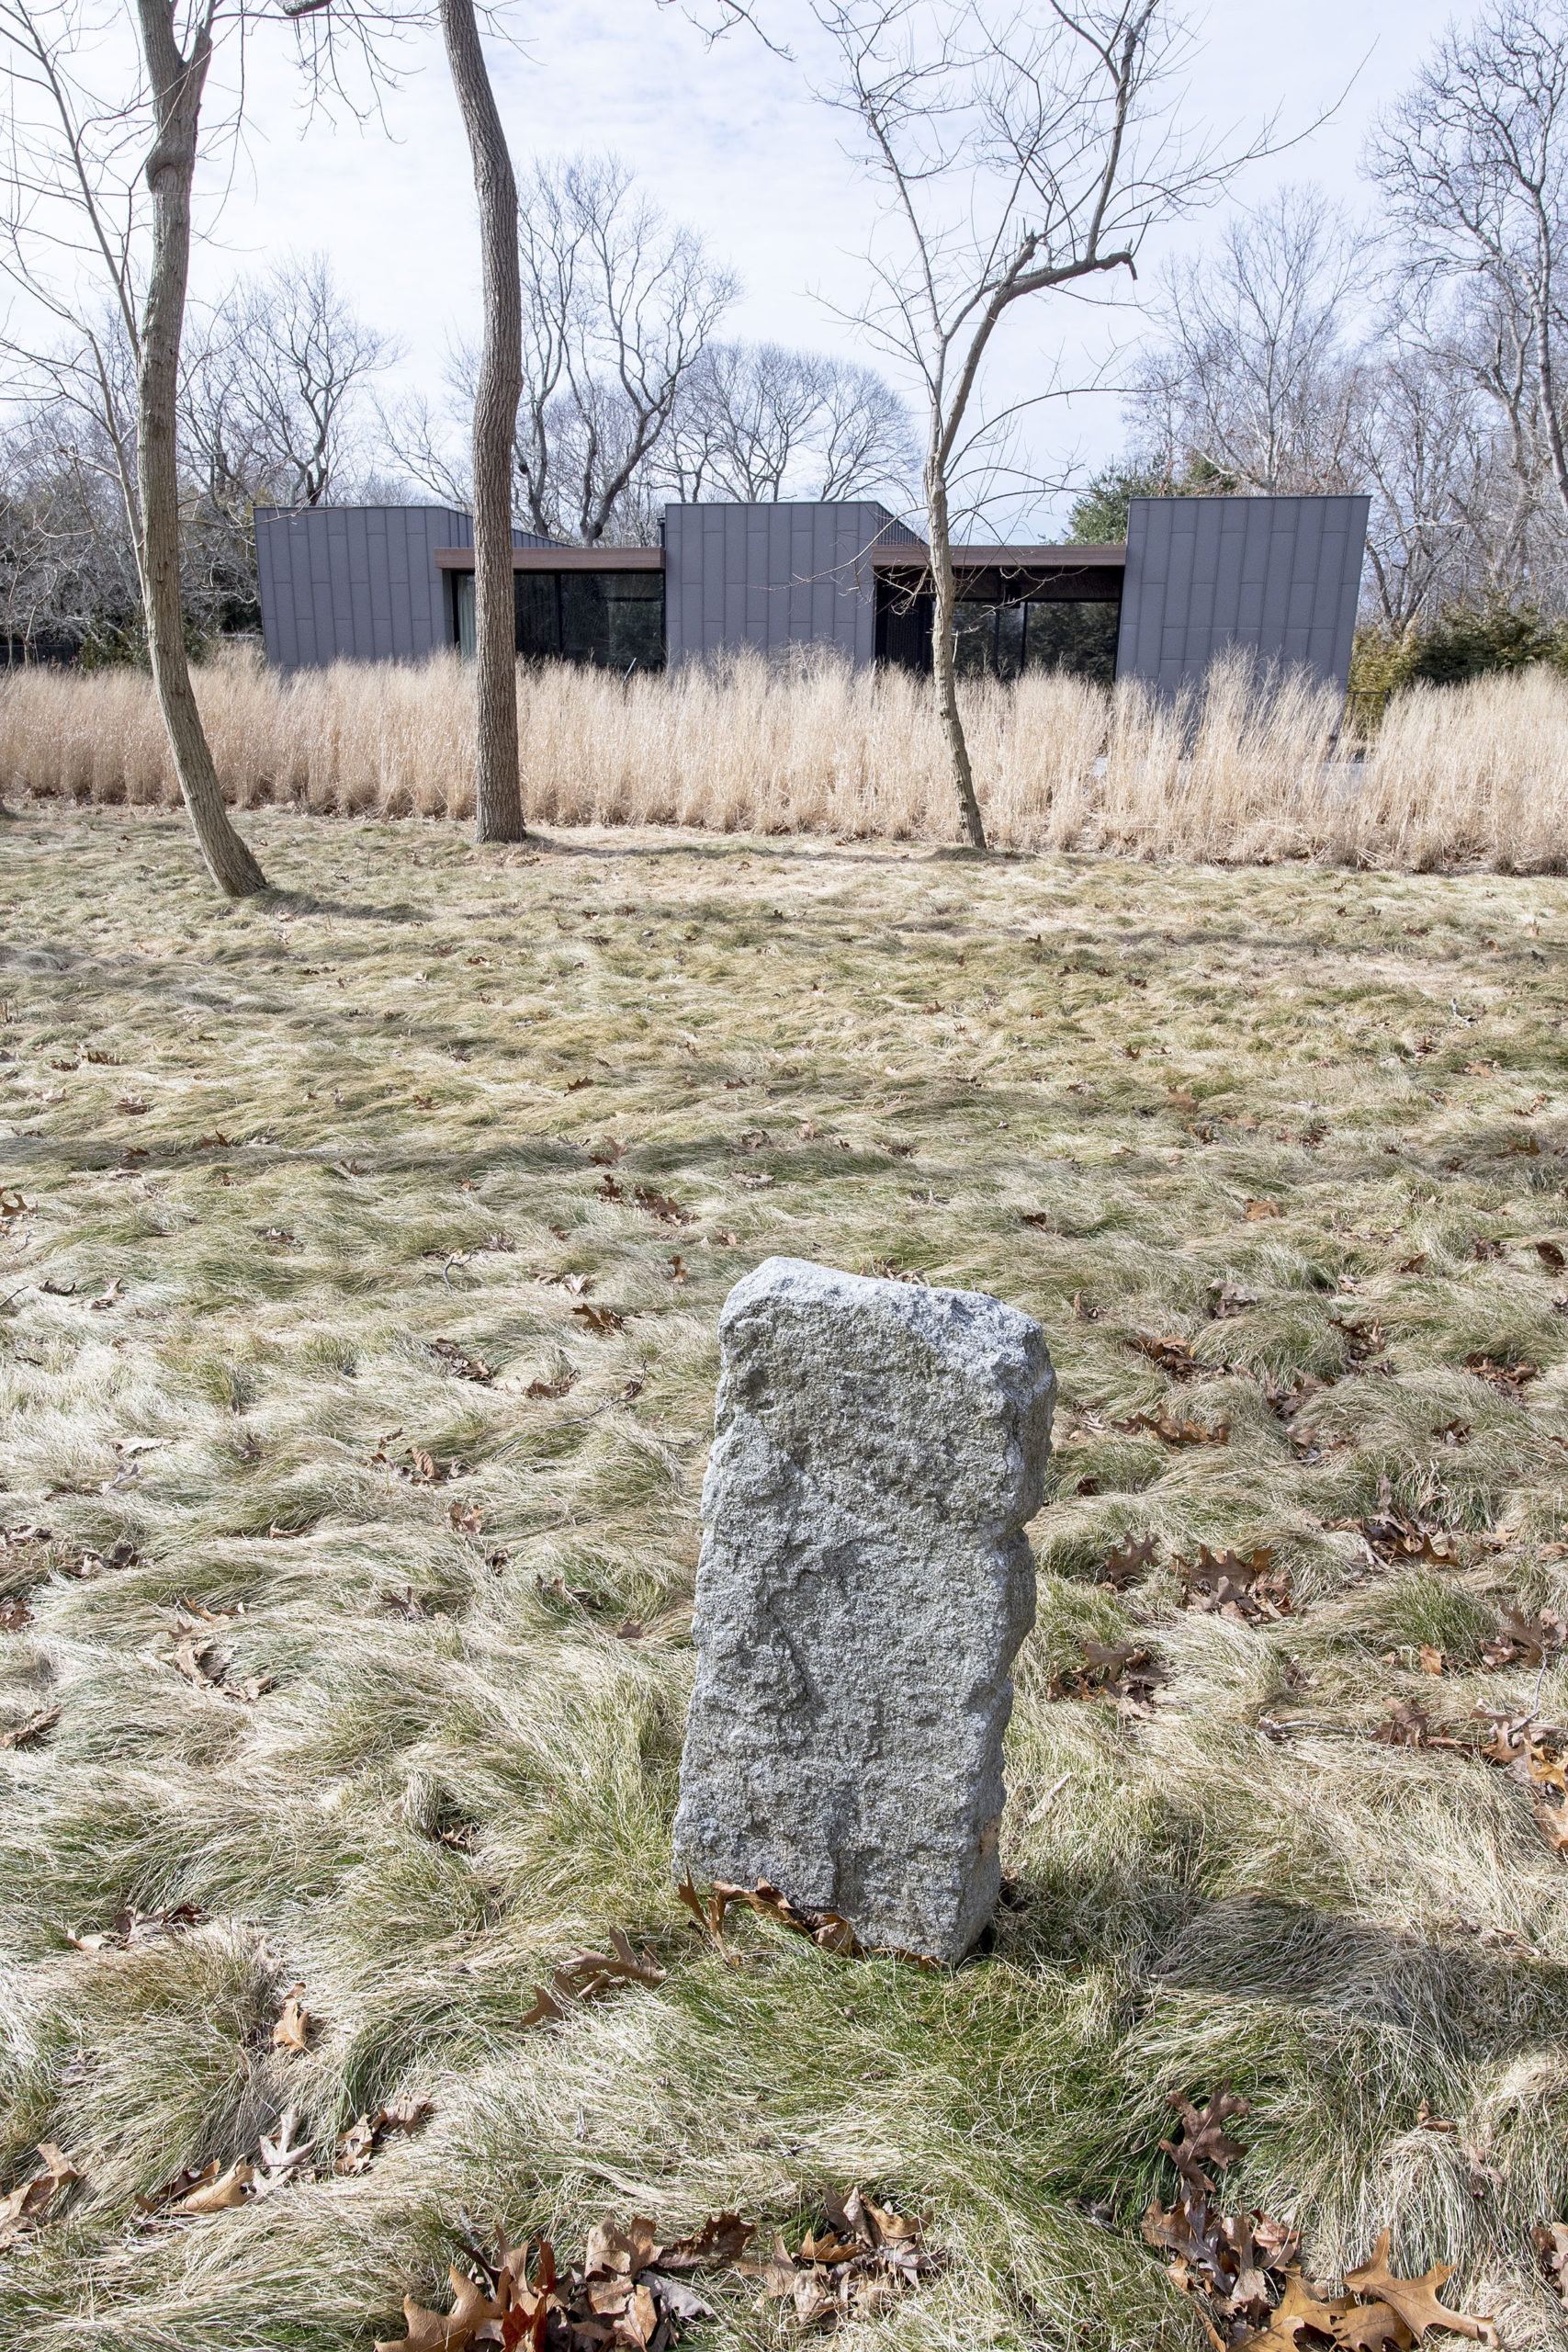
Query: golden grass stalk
pixel 1249 767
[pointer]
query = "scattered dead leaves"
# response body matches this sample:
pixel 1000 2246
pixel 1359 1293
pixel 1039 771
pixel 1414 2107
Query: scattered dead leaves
pixel 1415 2300
pixel 1233 2265
pixel 828 1930
pixel 1535 1754
pixel 631 2295
pixel 1224 1584
pixel 130 1927
pixel 1228 2262
pixel 560 1386
pixel 279 2162
pixel 851 2269
pixel 1173 1356
pixel 26 2208
pixel 416 1464
pixel 458 1362
pixel 660 1205
pixel 1256 1211
pixel 590 1976
pixel 1508 1379
pixel 201 1659
pixel 1393 1536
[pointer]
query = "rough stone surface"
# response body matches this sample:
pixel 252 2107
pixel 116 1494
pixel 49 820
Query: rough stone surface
pixel 864 1587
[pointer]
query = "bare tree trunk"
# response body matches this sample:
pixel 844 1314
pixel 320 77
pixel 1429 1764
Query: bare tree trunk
pixel 177 84
pixel 945 596
pixel 498 811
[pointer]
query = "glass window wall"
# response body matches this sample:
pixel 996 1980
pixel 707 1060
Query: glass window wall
pixel 612 620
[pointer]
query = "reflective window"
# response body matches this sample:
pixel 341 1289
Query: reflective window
pixel 1077 638
pixel 611 619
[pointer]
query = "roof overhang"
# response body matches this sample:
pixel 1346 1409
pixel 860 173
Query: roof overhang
pixel 561 559
pixel 1013 574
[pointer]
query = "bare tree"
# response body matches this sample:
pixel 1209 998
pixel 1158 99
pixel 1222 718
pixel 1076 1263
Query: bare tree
pixel 498 799
pixel 618 308
pixel 1252 378
pixel 1017 155
pixel 79 200
pixel 272 392
pixel 1473 162
pixel 758 421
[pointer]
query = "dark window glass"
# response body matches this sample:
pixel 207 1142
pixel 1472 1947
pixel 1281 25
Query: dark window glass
pixel 975 640
pixel 537 610
pixel 1077 638
pixel 613 619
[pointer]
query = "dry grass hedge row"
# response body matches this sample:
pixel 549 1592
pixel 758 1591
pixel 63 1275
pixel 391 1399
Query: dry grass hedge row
pixel 1243 772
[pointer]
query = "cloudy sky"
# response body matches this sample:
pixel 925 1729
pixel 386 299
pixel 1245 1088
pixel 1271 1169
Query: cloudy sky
pixel 730 140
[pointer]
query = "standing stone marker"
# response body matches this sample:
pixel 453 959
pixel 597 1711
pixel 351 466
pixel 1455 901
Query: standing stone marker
pixel 864 1587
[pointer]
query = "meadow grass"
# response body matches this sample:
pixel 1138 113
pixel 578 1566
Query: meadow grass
pixel 1250 766
pixel 409 1097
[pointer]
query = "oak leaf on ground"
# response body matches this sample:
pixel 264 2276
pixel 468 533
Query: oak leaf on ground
pixel 27 2207
pixel 590 1976
pixel 293 2027
pixel 1416 2299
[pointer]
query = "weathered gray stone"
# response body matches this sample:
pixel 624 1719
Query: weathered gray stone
pixel 864 1587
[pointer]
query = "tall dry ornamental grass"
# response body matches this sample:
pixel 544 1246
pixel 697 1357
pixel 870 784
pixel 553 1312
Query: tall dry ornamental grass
pixel 1247 768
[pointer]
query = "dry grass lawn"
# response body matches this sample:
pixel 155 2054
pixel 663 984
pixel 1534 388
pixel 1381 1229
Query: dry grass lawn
pixel 281 1166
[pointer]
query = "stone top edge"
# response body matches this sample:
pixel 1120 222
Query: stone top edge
pixel 929 1308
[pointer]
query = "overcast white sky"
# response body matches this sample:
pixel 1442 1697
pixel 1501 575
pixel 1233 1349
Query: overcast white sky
pixel 730 140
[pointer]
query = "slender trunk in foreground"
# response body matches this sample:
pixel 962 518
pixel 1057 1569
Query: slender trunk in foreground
pixel 177 84
pixel 498 799
pixel 944 597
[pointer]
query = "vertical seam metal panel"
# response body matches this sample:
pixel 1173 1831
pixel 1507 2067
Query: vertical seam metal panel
pixel 1281 575
pixel 355 583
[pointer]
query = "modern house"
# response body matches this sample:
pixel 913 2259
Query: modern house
pixel 1279 575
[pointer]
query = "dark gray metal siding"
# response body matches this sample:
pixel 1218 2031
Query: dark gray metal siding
pixel 1281 575
pixel 772 576
pixel 357 583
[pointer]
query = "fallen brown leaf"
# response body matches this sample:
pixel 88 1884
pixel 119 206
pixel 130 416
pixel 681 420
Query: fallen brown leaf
pixel 24 1734
pixel 1551 2242
pixel 358 2143
pixel 293 2027
pixel 26 2208
pixel 590 1976
pixel 1416 2299
pixel 458 1362
pixel 602 1319
pixel 1525 1641
pixel 1225 1584
pixel 130 1927
pixel 1507 1378
pixel 1258 1210
pixel 1120 1566
pixel 221 2191
pixel 622 2300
